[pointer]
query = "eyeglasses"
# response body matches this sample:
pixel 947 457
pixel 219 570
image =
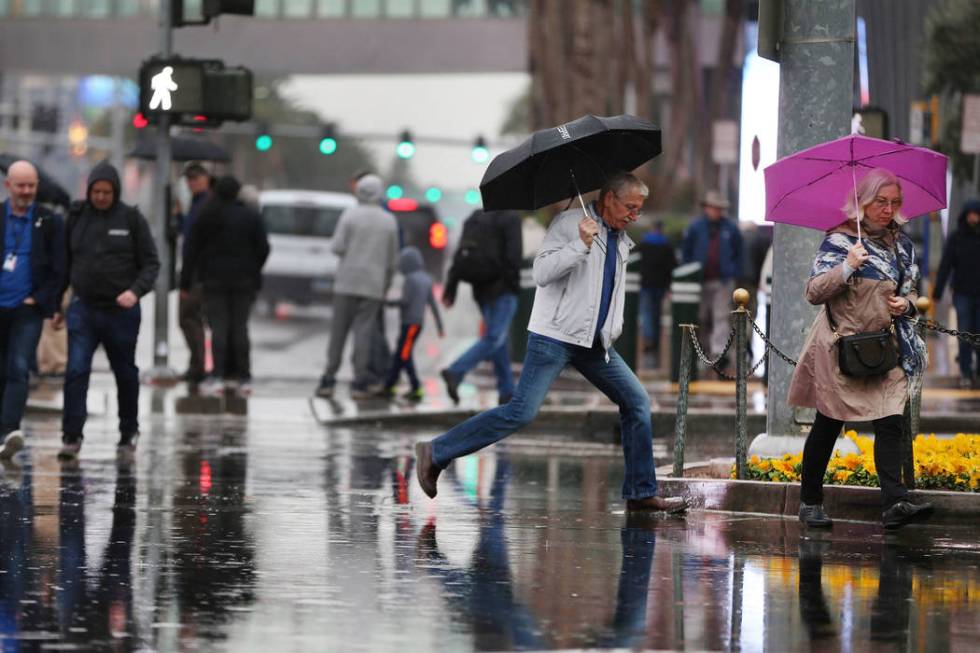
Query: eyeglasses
pixel 634 209
pixel 882 202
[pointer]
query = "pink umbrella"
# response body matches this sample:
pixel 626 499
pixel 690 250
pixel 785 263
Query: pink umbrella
pixel 809 188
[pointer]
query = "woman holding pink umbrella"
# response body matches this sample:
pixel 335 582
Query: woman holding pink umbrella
pixel 862 357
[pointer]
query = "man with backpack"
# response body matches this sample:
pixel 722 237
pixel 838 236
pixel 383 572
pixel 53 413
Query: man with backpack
pixel 489 259
pixel 111 262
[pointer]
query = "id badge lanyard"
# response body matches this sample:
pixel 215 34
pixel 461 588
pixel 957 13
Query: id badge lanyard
pixel 10 257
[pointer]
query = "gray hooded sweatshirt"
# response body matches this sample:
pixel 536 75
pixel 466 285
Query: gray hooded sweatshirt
pixel 366 241
pixel 417 289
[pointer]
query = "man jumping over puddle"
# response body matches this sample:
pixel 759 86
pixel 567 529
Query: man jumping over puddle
pixel 578 313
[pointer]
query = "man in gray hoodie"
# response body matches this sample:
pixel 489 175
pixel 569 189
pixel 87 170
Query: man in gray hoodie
pixel 366 241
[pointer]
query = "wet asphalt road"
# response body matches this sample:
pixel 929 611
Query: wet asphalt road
pixel 268 532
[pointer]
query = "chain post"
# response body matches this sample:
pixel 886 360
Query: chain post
pixel 741 298
pixel 683 381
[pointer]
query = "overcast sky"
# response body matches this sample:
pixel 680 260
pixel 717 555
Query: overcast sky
pixel 462 106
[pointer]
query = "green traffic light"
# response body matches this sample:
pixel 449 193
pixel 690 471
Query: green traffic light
pixel 395 192
pixel 263 143
pixel 328 146
pixel 405 149
pixel 472 197
pixel 433 194
pixel 480 154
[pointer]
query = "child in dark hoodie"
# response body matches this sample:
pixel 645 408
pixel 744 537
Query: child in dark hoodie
pixel 416 293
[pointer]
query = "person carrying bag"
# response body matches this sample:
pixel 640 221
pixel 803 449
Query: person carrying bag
pixel 863 358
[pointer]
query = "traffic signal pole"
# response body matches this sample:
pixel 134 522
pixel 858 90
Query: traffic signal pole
pixel 815 99
pixel 161 371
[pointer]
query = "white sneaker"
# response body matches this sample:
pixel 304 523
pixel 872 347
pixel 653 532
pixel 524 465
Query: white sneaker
pixel 13 443
pixel 244 389
pixel 211 387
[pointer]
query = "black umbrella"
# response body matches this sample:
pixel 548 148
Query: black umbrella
pixel 560 162
pixel 182 148
pixel 49 191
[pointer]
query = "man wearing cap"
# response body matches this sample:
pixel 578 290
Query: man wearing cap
pixel 190 312
pixel 714 241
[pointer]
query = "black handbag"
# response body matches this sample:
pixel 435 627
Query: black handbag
pixel 870 353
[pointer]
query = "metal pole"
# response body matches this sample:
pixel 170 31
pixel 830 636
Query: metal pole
pixel 680 425
pixel 161 371
pixel 741 297
pixel 815 100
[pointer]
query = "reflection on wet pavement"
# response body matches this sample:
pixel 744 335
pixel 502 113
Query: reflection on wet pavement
pixel 269 533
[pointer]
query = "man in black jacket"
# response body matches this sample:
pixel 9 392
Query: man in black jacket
pixel 496 234
pixel 31 279
pixel 227 248
pixel 111 262
pixel 961 259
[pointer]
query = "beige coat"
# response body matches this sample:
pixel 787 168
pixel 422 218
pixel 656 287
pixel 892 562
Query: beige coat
pixel 857 305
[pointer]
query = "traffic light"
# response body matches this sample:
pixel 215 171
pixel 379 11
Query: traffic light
pixel 480 153
pixel 472 197
pixel 200 12
pixel 870 121
pixel 78 138
pixel 328 140
pixel 186 88
pixel 395 192
pixel 263 140
pixel 406 147
pixel 438 236
pixel 433 194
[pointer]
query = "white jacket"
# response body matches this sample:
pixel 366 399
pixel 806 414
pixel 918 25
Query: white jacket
pixel 569 283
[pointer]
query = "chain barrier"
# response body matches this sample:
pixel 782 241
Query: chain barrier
pixel 713 364
pixel 971 338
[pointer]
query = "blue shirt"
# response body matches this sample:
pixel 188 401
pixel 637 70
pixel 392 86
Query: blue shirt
pixel 15 286
pixel 608 279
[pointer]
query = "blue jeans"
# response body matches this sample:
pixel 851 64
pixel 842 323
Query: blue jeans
pixel 651 301
pixel 968 319
pixel 116 331
pixel 493 346
pixel 545 359
pixel 20 330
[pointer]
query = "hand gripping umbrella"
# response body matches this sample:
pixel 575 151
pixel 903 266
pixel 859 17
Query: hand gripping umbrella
pixel 560 162
pixel 808 188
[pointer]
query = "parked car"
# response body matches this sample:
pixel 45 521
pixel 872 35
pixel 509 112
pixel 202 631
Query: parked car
pixel 301 224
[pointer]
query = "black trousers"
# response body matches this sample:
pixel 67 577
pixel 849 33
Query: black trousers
pixel 227 314
pixel 888 458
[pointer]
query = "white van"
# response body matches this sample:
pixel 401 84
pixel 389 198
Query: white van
pixel 301 224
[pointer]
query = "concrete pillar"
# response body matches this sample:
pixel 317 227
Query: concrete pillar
pixel 815 104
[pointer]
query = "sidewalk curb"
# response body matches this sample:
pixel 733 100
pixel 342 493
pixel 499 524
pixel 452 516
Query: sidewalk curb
pixel 842 502
pixel 602 423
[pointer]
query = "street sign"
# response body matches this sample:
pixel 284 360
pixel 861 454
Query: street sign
pixel 970 136
pixel 171 86
pixel 724 141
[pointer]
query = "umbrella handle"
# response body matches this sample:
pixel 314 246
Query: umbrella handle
pixel 857 208
pixel 585 211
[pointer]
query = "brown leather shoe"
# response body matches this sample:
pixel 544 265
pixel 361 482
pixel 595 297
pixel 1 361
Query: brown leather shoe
pixel 670 505
pixel 426 470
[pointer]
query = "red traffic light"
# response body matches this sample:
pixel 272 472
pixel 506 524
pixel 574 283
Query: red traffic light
pixel 438 236
pixel 140 121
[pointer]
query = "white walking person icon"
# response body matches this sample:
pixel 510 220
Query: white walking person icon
pixel 163 85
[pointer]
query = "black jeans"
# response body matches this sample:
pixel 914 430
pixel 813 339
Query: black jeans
pixel 888 458
pixel 403 359
pixel 227 314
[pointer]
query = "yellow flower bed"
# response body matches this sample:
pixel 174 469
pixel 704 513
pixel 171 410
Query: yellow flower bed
pixel 940 464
